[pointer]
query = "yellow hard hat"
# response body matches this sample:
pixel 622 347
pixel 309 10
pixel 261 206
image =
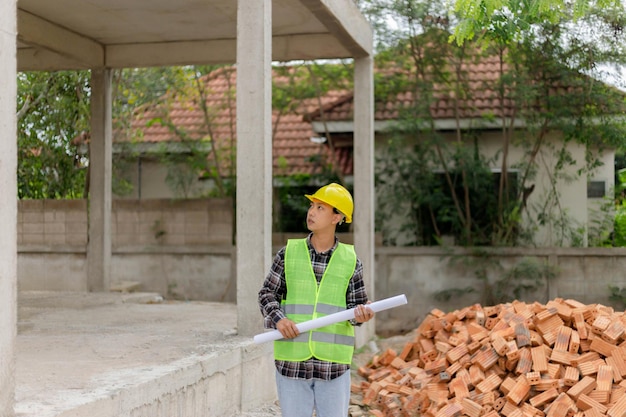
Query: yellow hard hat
pixel 335 196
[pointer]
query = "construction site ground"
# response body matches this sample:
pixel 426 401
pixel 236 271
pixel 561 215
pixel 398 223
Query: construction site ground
pixel 73 348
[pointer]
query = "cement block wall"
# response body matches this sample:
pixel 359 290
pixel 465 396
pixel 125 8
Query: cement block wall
pixel 179 248
pixel 171 222
pixel 63 223
pixel 184 263
pixel 52 222
pixel 583 274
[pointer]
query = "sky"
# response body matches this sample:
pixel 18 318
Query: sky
pixel 614 76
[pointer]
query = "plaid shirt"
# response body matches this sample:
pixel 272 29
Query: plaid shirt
pixel 275 289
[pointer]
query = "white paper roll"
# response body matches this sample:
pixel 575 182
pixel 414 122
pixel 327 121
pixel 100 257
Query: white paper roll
pixel 376 306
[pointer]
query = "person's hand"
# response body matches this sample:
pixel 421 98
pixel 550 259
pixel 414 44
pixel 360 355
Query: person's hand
pixel 362 313
pixel 287 328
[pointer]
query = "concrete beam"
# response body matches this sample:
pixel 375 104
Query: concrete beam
pixel 37 32
pixel 307 47
pixel 344 20
pixel 171 53
pixel 284 48
pixel 8 207
pixel 37 59
pixel 254 158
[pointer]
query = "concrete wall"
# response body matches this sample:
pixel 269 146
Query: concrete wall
pixel 581 274
pixel 135 222
pixel 181 249
pixel 148 178
pixel 193 259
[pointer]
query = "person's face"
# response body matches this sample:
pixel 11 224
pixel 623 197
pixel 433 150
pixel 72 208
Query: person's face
pixel 321 216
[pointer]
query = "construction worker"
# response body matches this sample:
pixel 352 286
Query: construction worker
pixel 310 278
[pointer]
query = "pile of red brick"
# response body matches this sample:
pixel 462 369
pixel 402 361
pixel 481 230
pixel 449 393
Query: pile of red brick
pixel 561 359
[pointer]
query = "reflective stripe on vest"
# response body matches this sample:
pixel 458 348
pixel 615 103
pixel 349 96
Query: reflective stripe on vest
pixel 324 309
pixel 306 300
pixel 323 337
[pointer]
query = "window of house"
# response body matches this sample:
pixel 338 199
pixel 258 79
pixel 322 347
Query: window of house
pixel 483 201
pixel 596 189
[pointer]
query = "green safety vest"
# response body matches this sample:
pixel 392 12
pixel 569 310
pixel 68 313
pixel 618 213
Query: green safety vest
pixel 306 301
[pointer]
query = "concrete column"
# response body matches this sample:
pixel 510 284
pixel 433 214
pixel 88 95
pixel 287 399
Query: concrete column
pixel 8 205
pixel 364 179
pixel 254 158
pixel 100 154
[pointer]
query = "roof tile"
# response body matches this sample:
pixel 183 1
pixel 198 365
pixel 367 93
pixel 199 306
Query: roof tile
pixel 292 133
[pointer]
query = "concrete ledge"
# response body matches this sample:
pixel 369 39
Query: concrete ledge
pixel 109 355
pixel 195 386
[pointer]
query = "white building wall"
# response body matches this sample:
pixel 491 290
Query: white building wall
pixel 571 187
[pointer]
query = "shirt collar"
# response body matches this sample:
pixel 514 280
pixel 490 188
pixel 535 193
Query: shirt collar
pixel 311 248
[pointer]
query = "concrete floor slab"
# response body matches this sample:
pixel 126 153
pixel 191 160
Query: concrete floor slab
pixel 111 354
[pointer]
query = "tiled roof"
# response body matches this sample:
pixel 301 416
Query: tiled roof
pixel 479 99
pixel 293 151
pixel 483 99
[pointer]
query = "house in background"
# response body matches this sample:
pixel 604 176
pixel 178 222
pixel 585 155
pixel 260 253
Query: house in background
pixel 584 198
pixel 163 137
pixel 311 136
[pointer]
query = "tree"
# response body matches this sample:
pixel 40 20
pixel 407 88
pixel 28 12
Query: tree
pixel 208 147
pixel 53 113
pixel 479 16
pixel 52 110
pixel 542 80
pixel 300 86
pixel 297 88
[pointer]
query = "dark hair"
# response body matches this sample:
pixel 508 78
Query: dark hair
pixel 338 212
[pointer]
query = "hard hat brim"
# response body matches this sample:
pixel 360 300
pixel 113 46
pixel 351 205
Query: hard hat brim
pixel 311 198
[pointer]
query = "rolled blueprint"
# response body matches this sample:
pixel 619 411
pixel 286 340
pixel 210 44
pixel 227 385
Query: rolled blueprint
pixel 305 326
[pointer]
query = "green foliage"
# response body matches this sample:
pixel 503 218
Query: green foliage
pixel 536 57
pixel 620 225
pixel 52 109
pixel 480 16
pixel 601 225
pixel 618 295
pixel 620 211
pixel 297 89
pixel 620 176
pixel 499 284
pixel 290 214
pixel 190 155
pixel 419 203
pixel 135 87
pixel 309 80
